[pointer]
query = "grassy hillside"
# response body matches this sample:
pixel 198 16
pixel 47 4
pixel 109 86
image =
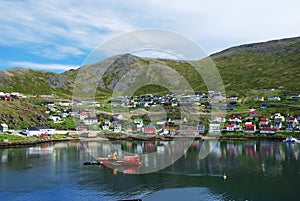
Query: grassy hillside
pixel 244 70
pixel 21 114
pixel 274 64
pixel 29 81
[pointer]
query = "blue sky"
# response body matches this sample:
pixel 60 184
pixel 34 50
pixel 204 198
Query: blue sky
pixel 58 35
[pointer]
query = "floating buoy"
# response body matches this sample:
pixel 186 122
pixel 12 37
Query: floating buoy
pixel 115 171
pixel 224 176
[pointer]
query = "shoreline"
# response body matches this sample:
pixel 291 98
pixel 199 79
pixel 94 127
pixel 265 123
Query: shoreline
pixel 200 137
pixel 4 145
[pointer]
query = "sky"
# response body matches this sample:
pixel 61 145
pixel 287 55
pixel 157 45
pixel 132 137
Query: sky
pixel 56 35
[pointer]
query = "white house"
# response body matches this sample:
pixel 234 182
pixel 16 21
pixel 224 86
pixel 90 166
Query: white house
pixel 279 117
pixel 83 115
pixel 3 128
pixel 64 103
pixel 46 130
pixel 118 128
pixel 31 131
pixel 218 119
pixel 106 124
pixel 55 118
pixel 259 98
pixel 138 121
pixel 37 131
pixel 94 104
pixel 214 128
pixel 117 116
pixel 274 98
pixel 90 121
pixel 230 127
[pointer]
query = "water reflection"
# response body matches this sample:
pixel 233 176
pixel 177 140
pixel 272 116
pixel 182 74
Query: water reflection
pixel 270 169
pixel 155 155
pixel 261 155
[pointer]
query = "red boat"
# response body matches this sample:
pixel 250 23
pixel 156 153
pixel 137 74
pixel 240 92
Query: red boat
pixel 115 161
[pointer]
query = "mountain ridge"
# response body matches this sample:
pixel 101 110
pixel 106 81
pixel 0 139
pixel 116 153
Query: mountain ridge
pixel 274 63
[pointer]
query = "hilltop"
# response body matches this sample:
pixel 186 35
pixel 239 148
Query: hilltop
pixel 272 64
pixel 29 81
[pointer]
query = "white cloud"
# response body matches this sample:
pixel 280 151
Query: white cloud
pixel 76 27
pixel 40 66
pixel 59 24
pixel 57 52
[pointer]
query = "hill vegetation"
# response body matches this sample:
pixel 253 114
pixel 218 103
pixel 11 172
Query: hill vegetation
pixel 244 70
pixel 273 64
pixel 21 114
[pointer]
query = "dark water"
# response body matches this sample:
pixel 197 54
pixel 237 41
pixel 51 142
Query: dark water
pixel 256 170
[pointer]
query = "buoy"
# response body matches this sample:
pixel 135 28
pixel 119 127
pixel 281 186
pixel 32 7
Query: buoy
pixel 115 171
pixel 224 176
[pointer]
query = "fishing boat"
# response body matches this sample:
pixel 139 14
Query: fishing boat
pixel 114 161
pixel 291 140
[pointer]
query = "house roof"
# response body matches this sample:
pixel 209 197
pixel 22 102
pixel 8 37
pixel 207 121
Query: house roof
pixel 190 131
pixel 91 118
pixel 149 129
pixel 80 125
pixel 150 126
pixel 32 128
pixel 4 125
pixel 265 125
pixel 201 126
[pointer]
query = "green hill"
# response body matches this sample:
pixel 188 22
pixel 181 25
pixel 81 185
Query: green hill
pixel 29 81
pixel 244 69
pixel 273 64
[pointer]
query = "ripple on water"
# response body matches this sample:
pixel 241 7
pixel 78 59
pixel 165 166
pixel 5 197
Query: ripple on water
pixel 186 194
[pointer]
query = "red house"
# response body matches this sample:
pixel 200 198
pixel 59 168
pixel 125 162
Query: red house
pixel 81 127
pixel 150 130
pixel 249 127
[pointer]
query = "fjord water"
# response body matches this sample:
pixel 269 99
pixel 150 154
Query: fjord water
pixel 255 170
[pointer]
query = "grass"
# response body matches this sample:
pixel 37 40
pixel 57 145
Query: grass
pixel 245 70
pixel 287 134
pixel 13 138
pixel 59 136
pixel 20 114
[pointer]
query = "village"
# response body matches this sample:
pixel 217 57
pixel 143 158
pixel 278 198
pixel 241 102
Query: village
pixel 88 115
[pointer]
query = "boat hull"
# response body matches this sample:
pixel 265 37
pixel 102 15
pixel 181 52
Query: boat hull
pixel 127 161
